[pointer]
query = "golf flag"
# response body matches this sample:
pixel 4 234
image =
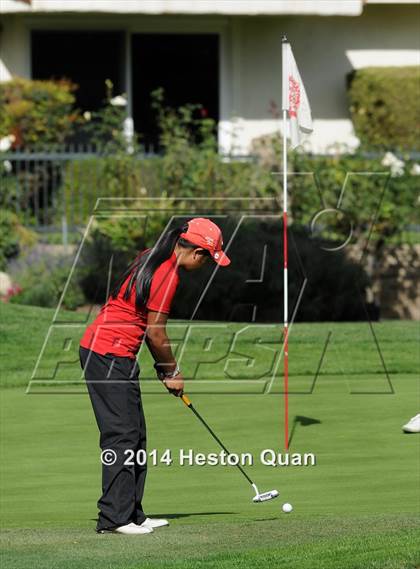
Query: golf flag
pixel 295 100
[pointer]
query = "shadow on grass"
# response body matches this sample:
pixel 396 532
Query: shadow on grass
pixel 176 516
pixel 304 422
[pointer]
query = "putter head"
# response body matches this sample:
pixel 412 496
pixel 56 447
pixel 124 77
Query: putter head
pixel 270 495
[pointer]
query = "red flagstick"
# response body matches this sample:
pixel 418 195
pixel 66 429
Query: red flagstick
pixel 285 297
pixel 286 337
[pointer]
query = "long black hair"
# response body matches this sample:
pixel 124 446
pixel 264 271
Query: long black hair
pixel 143 267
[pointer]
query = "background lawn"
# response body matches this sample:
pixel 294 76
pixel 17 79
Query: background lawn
pixel 357 508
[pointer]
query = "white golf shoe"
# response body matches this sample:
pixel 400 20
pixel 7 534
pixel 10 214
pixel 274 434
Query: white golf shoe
pixel 413 425
pixel 154 523
pixel 133 529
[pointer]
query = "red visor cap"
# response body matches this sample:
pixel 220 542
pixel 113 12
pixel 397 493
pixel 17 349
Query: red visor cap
pixel 206 234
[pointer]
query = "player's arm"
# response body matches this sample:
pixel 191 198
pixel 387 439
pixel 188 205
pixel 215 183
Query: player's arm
pixel 159 345
pixel 158 342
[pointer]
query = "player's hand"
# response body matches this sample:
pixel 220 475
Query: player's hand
pixel 175 385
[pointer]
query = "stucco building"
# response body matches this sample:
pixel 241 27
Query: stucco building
pixel 225 54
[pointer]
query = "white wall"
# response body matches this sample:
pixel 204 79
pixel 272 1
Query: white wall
pixel 224 7
pixel 326 49
pixel 14 48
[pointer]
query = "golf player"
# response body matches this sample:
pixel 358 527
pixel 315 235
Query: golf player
pixel 137 311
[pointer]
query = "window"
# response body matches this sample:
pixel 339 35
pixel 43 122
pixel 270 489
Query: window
pixel 88 58
pixel 185 65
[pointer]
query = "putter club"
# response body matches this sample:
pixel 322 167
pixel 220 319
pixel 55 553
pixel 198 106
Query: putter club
pixel 265 496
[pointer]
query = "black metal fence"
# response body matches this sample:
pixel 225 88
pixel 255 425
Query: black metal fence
pixel 41 185
pixel 52 190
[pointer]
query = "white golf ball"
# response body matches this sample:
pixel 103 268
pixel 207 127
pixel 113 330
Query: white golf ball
pixel 287 508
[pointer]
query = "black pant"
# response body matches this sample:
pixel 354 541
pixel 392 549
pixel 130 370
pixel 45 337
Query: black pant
pixel 114 391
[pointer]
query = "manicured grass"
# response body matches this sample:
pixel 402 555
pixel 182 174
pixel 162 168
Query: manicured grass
pixel 374 542
pixel 241 356
pixel 357 508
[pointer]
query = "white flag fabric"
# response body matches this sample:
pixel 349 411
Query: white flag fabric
pixel 295 100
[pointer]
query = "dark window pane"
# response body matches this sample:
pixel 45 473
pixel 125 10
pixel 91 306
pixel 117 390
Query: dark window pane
pixel 88 58
pixel 186 66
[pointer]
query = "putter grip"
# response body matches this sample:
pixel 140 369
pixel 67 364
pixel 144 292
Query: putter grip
pixel 186 400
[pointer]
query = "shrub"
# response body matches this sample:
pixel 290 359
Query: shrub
pixel 331 292
pixel 31 191
pixel 100 255
pixel 190 166
pixel 10 197
pixel 113 243
pixel 384 104
pixel 9 239
pixel 87 180
pixel 105 127
pixel 13 236
pixel 41 278
pixel 37 112
pixel 373 191
pixel 121 175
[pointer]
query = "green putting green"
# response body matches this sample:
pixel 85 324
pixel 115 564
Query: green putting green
pixel 358 507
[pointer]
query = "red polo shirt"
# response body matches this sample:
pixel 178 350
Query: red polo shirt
pixel 119 327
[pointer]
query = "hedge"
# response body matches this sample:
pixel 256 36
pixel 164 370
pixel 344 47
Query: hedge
pixel 127 176
pixel 316 184
pixel 13 237
pixel 384 105
pixel 330 293
pixel 369 192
